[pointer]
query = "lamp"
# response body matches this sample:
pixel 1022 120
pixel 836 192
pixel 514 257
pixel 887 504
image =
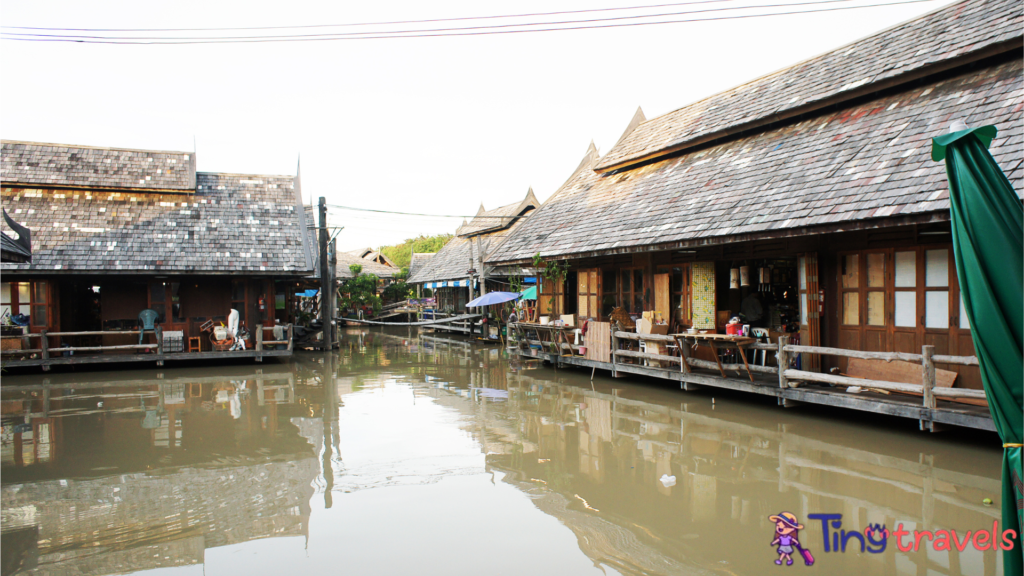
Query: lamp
pixel 734 278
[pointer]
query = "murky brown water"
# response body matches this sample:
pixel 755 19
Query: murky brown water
pixel 403 455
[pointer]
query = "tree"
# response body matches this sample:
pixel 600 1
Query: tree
pixel 401 254
pixel 359 290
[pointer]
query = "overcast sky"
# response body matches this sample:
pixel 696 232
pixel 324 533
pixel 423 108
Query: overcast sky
pixel 431 125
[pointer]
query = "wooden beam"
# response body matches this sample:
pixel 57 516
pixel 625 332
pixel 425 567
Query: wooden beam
pixel 847 381
pixel 887 356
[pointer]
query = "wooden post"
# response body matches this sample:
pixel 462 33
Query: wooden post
pixel 326 285
pixel 291 335
pixel 928 381
pixel 158 333
pixel 259 338
pixel 615 347
pixel 783 361
pixel 44 346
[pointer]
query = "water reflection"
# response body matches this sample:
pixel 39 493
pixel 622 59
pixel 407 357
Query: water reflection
pixel 401 442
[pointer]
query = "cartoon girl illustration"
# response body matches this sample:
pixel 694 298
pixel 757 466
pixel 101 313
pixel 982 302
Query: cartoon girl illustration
pixel 786 532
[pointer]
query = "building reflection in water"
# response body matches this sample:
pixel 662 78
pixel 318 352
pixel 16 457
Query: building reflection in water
pixel 108 476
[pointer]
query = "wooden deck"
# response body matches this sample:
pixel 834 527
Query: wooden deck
pixel 159 359
pixel 945 413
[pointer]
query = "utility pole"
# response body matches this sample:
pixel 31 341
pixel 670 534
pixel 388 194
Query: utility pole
pixel 326 287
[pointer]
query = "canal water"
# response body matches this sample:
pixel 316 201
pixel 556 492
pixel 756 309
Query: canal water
pixel 410 454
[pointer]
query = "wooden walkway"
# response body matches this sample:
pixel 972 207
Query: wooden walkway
pixel 159 359
pixel 945 413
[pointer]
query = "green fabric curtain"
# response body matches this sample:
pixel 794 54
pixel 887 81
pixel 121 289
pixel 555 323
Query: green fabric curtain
pixel 988 242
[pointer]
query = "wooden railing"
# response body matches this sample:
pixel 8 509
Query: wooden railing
pixel 927 358
pixel 787 377
pixel 44 350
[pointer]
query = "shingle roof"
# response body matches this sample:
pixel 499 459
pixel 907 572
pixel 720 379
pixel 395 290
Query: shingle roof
pixel 83 166
pixel 233 223
pixel 12 251
pixel 906 50
pixel 480 235
pixel 499 218
pixel 866 161
pixel 346 259
pixel 418 260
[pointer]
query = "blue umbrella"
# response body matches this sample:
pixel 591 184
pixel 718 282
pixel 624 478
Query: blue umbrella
pixel 493 298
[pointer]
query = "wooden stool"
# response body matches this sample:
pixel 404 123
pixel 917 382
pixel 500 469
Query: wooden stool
pixel 195 344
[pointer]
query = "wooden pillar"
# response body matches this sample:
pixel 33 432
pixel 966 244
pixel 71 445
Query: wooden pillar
pixel 326 284
pixel 928 382
pixel 783 358
pixel 291 336
pixel 259 340
pixel 44 346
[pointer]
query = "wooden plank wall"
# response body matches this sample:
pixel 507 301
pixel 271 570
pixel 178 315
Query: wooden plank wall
pixel 599 341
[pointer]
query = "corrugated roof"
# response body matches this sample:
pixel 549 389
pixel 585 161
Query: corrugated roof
pixel 868 161
pixel 85 166
pixel 233 223
pixel 903 51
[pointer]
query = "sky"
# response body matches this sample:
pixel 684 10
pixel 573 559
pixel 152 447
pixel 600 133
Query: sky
pixel 425 125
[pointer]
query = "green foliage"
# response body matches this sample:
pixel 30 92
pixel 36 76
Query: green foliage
pixel 398 291
pixel 553 272
pixel 401 254
pixel 360 290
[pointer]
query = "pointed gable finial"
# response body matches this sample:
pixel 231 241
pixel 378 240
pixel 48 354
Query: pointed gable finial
pixel 638 118
pixel 481 210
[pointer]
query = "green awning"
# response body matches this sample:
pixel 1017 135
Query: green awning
pixel 988 242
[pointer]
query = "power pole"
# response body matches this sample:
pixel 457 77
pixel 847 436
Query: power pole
pixel 326 288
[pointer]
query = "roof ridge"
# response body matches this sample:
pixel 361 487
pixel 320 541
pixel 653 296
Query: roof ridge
pixel 647 145
pixel 86 146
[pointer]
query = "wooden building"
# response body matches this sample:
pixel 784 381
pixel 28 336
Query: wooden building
pixel 457 273
pixel 815 182
pixel 116 231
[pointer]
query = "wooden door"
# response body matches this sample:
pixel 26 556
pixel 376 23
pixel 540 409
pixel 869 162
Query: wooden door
pixel 810 310
pixel 549 300
pixel 662 295
pixel 588 293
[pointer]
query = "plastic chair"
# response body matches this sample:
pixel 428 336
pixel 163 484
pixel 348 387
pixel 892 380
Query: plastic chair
pixel 147 321
pixel 762 336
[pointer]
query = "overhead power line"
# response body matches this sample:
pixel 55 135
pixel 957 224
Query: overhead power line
pixel 466 31
pixel 530 15
pixel 411 213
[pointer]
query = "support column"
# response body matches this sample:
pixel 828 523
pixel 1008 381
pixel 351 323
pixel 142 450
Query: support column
pixel 326 289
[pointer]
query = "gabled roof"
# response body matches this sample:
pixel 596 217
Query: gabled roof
pixel 67 166
pixel 418 260
pixel 463 252
pixel 12 251
pixel 950 36
pixel 370 266
pixel 866 162
pixel 487 221
pixel 233 223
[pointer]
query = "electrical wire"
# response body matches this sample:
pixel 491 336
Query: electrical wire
pixel 410 213
pixel 530 15
pixel 487 27
pixel 415 34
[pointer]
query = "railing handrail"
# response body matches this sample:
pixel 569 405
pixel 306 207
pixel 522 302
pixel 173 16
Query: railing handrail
pixel 886 356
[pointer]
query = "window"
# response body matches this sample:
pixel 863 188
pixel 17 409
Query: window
pixel 609 292
pixel 679 290
pixel 936 295
pixel 632 290
pixel 588 293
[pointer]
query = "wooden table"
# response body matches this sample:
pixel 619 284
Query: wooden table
pixel 716 341
pixel 557 335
